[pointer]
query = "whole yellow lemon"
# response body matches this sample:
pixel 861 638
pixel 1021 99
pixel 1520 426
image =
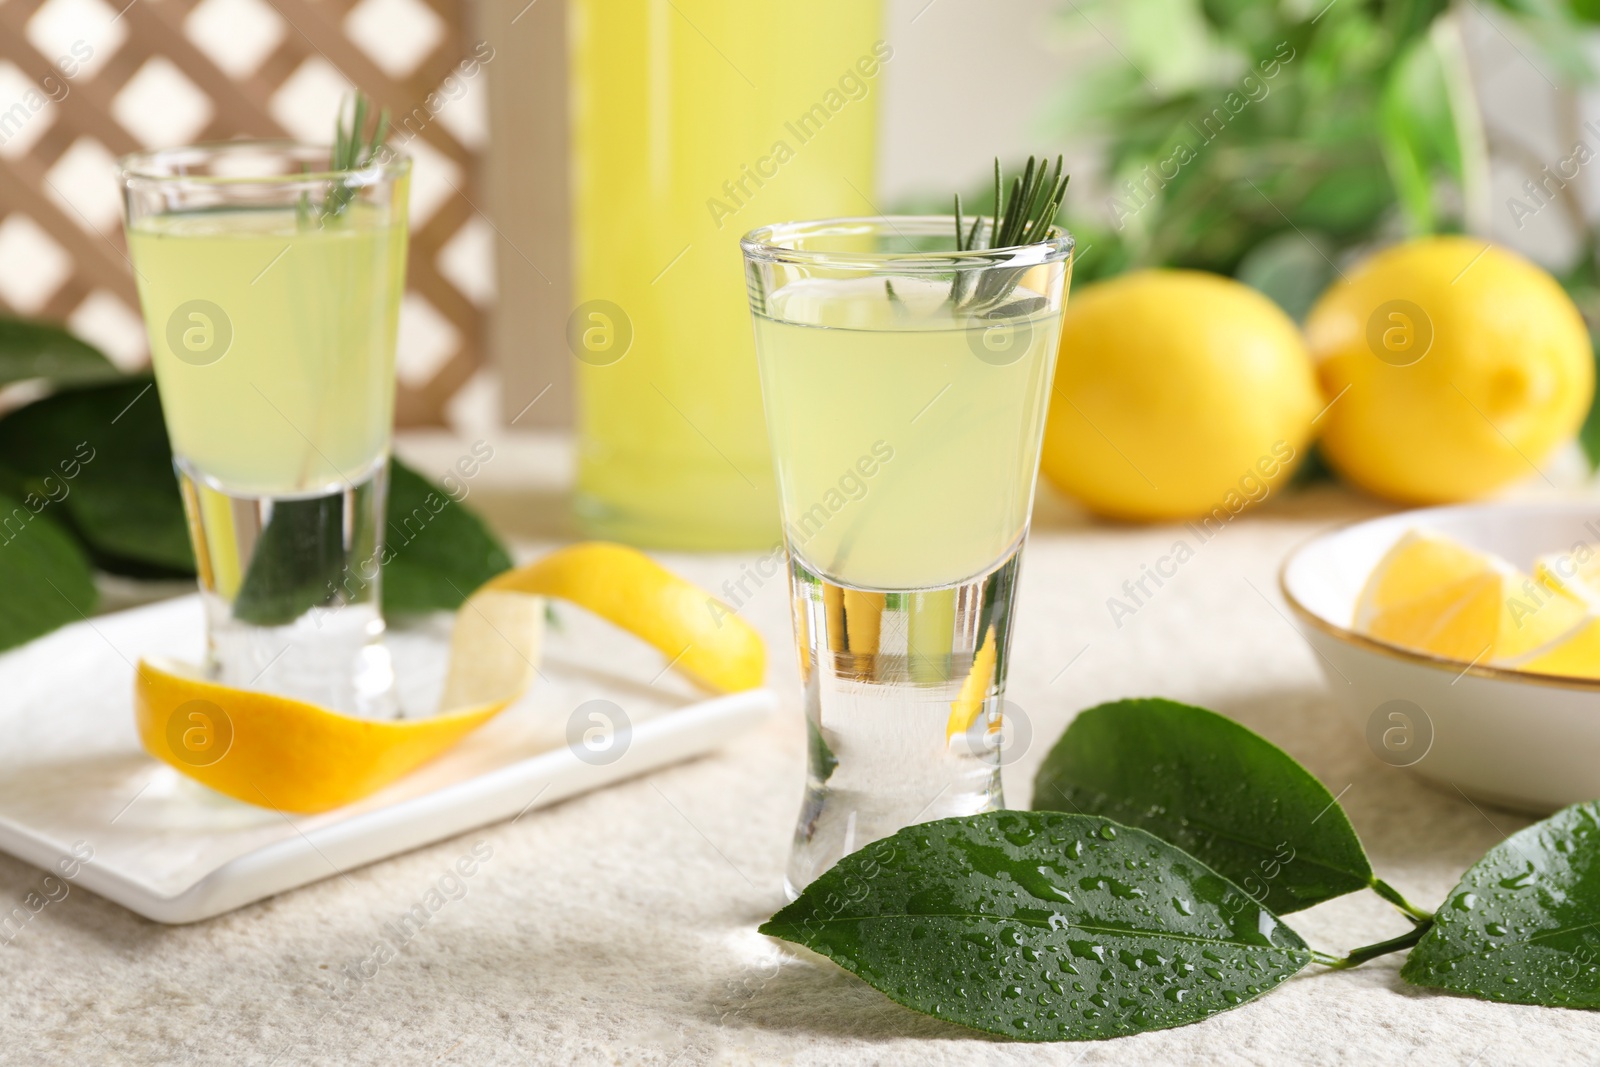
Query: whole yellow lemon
pixel 1178 394
pixel 1452 367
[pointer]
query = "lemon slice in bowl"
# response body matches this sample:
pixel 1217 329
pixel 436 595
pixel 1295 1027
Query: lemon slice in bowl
pixel 1433 594
pixel 1575 574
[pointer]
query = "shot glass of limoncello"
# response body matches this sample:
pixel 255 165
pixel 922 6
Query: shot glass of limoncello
pixel 271 286
pixel 905 376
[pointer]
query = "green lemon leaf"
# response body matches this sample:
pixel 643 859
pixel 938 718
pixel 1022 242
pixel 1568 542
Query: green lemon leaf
pixel 38 350
pixel 1291 269
pixel 1042 926
pixel 1589 435
pixel 1417 130
pixel 1523 925
pixel 438 551
pixel 1350 199
pixel 107 446
pixel 823 761
pixel 1213 788
pixel 44 575
pixel 300 558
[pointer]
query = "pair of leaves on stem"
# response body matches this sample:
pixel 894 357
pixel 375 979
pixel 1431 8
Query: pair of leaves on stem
pixel 1152 900
pixel 1523 925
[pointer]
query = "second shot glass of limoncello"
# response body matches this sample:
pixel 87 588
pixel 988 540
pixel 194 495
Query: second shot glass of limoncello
pixel 905 382
pixel 271 289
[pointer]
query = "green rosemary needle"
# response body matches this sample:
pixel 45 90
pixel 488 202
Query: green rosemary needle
pixel 1025 217
pixel 354 148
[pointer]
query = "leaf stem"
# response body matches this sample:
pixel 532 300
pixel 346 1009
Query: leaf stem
pixel 1393 896
pixel 1371 952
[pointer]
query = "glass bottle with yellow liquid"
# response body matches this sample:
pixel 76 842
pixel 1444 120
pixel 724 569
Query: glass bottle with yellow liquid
pixel 695 121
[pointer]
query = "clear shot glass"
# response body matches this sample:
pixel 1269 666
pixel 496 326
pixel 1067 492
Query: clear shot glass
pixel 271 291
pixel 905 385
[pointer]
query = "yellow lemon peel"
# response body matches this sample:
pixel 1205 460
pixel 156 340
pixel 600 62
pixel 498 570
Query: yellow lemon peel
pixel 701 636
pixel 296 756
pixel 282 753
pixel 968 703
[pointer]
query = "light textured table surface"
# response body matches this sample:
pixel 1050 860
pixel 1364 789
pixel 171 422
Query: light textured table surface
pixel 619 927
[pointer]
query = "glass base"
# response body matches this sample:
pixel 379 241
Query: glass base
pixel 903 696
pixel 291 587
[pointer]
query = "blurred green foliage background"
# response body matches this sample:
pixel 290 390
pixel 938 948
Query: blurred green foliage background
pixel 1270 140
pixel 1278 141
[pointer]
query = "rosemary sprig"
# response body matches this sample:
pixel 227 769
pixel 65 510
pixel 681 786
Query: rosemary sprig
pixel 354 148
pixel 1026 216
pixel 1023 218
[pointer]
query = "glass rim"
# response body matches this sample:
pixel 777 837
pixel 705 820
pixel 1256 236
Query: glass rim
pixel 141 168
pixel 767 244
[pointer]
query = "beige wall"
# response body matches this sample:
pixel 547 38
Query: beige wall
pixel 962 90
pixel 526 187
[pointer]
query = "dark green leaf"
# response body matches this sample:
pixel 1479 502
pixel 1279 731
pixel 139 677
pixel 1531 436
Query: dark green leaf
pixel 45 580
pixel 1213 788
pixel 1589 435
pixel 102 451
pixel 1042 926
pixel 1418 129
pixel 1524 923
pixel 1313 469
pixel 39 350
pixel 1350 200
pixel 299 560
pixel 1408 128
pixel 823 761
pixel 1290 268
pixel 123 500
pixel 438 552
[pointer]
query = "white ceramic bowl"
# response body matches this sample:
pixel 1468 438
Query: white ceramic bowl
pixel 1526 741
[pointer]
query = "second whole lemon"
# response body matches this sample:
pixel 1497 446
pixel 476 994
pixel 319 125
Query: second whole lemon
pixel 1452 366
pixel 1178 394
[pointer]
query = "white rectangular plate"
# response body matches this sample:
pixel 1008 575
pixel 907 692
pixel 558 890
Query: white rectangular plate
pixel 72 772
